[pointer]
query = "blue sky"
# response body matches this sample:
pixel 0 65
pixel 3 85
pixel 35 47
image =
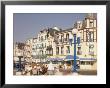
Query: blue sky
pixel 28 25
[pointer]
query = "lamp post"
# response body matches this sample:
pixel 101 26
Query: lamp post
pixel 20 56
pixel 76 36
pixel 20 63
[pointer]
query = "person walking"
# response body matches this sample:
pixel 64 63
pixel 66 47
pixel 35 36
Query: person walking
pixel 29 70
pixel 38 69
pixel 34 70
pixel 65 67
pixel 50 69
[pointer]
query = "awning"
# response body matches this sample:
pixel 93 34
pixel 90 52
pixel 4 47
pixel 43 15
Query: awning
pixel 88 59
pixel 70 57
pixel 55 59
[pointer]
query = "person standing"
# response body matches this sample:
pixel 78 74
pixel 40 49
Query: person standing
pixel 34 71
pixel 38 69
pixel 65 67
pixel 50 69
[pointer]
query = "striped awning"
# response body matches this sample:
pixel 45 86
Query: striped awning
pixel 88 59
pixel 55 59
pixel 71 57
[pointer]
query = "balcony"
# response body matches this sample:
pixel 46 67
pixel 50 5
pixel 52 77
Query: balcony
pixel 91 53
pixel 66 40
pixel 49 54
pixel 49 47
pixel 56 41
pixel 41 47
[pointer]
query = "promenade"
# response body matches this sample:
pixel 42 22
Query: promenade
pixel 58 71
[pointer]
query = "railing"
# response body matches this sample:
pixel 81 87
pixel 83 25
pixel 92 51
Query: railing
pixel 91 53
pixel 49 54
pixel 40 47
pixel 49 47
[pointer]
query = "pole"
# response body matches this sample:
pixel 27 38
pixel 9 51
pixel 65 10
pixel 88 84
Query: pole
pixel 74 68
pixel 19 62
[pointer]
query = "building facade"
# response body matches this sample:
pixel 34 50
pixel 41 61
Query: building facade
pixel 54 44
pixel 18 54
pixel 28 50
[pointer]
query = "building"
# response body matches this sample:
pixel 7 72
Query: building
pixel 28 50
pixel 18 54
pixel 54 44
pixel 87 51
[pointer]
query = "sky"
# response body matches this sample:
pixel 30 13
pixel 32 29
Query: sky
pixel 28 25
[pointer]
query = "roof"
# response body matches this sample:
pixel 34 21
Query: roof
pixel 69 29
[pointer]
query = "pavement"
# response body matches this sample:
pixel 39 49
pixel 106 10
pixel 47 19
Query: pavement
pixel 58 72
pixel 87 72
pixel 80 72
pixel 93 72
pixel 63 72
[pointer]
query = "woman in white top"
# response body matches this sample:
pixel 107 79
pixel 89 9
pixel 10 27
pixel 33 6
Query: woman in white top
pixel 50 69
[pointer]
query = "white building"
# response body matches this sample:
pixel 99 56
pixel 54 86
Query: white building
pixel 54 44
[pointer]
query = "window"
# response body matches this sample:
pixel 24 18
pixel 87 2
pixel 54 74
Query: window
pixel 57 50
pixel 91 53
pixel 91 36
pixel 61 50
pixel 68 49
pixel 42 52
pixel 39 38
pixel 45 37
pixel 91 24
pixel 42 45
pixel 61 38
pixel 91 50
pixel 45 45
pixel 88 63
pixel 92 63
pixel 57 39
pixel 82 63
pixel 79 52
pixel 67 37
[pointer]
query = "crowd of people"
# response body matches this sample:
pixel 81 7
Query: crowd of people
pixel 40 69
pixel 44 69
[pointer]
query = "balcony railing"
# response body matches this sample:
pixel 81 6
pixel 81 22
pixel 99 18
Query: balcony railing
pixel 41 47
pixel 49 47
pixel 91 53
pixel 49 54
pixel 66 39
